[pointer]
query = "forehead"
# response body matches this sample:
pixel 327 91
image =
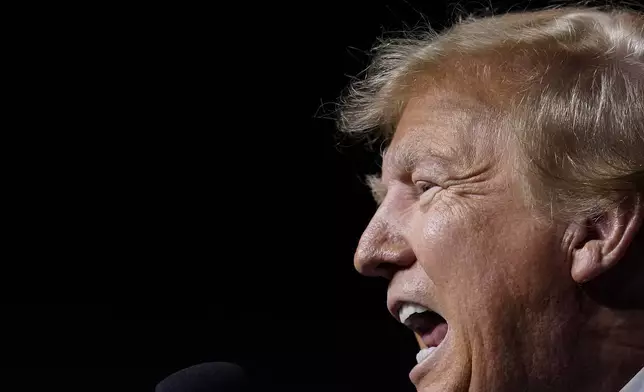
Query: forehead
pixel 443 128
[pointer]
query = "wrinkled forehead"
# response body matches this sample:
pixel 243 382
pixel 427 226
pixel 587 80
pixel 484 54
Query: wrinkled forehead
pixel 443 128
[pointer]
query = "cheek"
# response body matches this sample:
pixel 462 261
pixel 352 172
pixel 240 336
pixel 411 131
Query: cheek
pixel 477 255
pixel 450 242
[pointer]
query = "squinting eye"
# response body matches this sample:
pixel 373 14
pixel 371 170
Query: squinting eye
pixel 424 186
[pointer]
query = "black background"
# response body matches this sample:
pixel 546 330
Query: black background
pixel 185 199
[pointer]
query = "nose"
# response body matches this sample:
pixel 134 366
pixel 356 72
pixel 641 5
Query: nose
pixel 382 250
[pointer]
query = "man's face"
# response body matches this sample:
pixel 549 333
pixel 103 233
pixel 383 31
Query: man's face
pixel 455 235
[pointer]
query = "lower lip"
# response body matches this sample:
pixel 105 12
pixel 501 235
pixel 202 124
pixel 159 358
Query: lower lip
pixel 421 369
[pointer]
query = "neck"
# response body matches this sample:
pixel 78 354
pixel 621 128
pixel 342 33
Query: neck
pixel 610 348
pixel 611 339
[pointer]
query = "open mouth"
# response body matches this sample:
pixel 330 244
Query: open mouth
pixel 430 326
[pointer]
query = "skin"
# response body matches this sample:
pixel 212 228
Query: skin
pixel 455 233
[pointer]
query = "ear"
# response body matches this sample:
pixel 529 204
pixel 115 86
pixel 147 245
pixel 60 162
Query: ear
pixel 599 244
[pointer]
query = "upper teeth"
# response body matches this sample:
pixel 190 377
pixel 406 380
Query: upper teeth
pixel 408 309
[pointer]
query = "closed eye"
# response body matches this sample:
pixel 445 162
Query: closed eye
pixel 424 186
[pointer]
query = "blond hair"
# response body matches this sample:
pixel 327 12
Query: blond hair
pixel 568 83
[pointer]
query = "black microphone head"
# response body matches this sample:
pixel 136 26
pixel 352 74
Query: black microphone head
pixel 206 377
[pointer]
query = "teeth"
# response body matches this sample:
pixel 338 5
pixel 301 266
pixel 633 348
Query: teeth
pixel 408 309
pixel 424 354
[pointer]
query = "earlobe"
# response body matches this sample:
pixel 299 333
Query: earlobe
pixel 599 244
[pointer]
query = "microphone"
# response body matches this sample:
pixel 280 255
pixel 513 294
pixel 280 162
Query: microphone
pixel 206 377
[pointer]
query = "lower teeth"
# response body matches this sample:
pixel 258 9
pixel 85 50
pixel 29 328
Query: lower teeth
pixel 424 353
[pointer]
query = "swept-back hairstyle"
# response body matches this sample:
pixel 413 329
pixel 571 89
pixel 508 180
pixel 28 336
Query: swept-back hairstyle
pixel 566 83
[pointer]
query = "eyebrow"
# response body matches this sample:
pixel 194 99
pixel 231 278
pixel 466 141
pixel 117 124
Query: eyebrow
pixel 408 154
pixel 377 187
pixel 404 159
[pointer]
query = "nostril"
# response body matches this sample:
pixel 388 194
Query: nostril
pixel 376 268
pixel 387 270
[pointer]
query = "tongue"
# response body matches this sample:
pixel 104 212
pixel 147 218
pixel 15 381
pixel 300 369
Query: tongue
pixel 434 337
